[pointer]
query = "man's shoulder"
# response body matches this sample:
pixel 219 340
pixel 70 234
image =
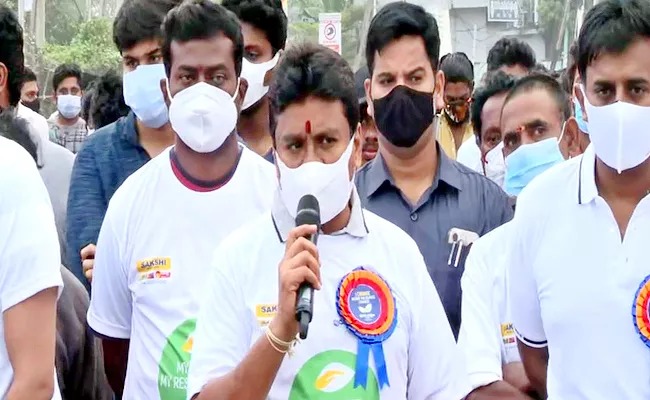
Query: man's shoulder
pixel 105 135
pixel 472 179
pixel 395 238
pixel 553 186
pixel 15 162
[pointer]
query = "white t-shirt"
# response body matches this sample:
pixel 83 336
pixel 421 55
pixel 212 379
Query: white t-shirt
pixel 152 261
pixel 573 284
pixel 421 356
pixel 37 122
pixel 29 247
pixel 469 154
pixel 487 336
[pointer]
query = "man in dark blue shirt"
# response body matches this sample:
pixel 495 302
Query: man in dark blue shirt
pixel 411 182
pixel 114 152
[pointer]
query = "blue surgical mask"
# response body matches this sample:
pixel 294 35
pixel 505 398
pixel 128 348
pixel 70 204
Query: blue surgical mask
pixel 577 110
pixel 142 93
pixel 529 161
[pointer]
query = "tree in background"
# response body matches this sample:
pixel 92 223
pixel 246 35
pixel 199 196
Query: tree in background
pixel 557 17
pixel 91 48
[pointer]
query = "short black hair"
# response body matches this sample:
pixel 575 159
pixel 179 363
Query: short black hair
pixel 610 27
pixel 511 51
pixel 396 20
pixel 457 67
pixel 29 75
pixel 63 72
pixel 11 52
pixel 17 129
pixel 140 20
pixel 544 82
pixel 201 19
pixel 313 70
pixel 495 83
pixel 265 15
pixel 107 101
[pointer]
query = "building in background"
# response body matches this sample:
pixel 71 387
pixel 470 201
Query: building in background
pixel 477 24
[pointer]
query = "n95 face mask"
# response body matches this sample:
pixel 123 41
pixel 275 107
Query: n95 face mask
pixel 142 93
pixel 329 183
pixel 254 74
pixel 619 134
pixel 495 165
pixel 203 116
pixel 68 105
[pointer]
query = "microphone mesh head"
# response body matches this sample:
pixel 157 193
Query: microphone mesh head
pixel 308 212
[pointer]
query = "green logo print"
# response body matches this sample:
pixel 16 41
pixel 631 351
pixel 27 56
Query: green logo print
pixel 175 362
pixel 330 376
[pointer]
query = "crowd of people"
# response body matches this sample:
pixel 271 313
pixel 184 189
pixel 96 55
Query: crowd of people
pixel 473 240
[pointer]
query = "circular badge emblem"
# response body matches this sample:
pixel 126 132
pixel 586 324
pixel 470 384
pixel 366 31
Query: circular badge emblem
pixel 641 311
pixel 367 307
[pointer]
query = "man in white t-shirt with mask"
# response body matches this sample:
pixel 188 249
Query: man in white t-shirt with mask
pixel 372 290
pixel 164 223
pixel 264 26
pixel 579 278
pixel 538 133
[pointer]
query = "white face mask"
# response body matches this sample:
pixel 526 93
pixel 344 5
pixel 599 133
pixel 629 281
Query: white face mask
pixel 68 105
pixel 495 165
pixel 254 74
pixel 203 116
pixel 618 133
pixel 329 183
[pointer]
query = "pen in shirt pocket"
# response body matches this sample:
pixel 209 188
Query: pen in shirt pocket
pixel 459 239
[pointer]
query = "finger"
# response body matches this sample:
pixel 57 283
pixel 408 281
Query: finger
pixel 89 274
pixel 304 259
pixel 298 232
pixel 297 277
pixel 301 244
pixel 88 252
pixel 88 264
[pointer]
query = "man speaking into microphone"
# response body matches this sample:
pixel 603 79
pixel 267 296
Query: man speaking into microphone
pixel 378 329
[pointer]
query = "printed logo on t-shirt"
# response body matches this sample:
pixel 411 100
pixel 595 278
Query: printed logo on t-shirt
pixel 155 269
pixel 175 362
pixel 508 334
pixel 330 376
pixel 265 313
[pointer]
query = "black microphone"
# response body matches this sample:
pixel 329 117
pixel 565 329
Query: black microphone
pixel 308 213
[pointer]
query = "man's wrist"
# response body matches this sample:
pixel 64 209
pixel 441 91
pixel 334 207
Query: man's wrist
pixel 283 329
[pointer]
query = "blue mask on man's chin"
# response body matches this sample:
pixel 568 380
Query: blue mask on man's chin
pixel 528 162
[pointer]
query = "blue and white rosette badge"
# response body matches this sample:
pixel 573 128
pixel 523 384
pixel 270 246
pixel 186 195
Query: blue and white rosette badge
pixel 367 307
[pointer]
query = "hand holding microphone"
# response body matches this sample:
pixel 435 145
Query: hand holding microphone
pixel 298 272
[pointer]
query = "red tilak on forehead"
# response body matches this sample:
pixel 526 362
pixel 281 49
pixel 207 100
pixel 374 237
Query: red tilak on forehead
pixel 308 126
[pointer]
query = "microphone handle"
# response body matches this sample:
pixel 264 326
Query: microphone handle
pixel 304 308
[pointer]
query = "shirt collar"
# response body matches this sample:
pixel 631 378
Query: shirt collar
pixel 130 129
pixel 284 222
pixel 447 172
pixel 587 190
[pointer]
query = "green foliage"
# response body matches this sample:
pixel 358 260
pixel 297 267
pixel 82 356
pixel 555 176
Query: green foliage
pixel 91 48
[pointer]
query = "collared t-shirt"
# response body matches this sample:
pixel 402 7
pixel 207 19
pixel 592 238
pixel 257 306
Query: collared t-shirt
pixel 487 337
pixel 108 157
pixel 153 259
pixel 458 198
pixel 29 249
pixel 573 285
pixel 421 357
pixel 37 122
pixel 69 136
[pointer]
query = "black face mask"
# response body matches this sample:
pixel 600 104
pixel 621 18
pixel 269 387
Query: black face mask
pixel 403 115
pixel 35 104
